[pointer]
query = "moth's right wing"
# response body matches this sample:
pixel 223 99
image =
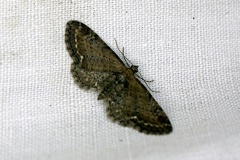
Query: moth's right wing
pixel 134 106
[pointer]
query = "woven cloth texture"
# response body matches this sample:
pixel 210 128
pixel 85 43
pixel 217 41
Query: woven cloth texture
pixel 191 49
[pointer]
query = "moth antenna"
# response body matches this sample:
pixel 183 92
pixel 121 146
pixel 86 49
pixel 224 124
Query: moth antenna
pixel 122 52
pixel 139 76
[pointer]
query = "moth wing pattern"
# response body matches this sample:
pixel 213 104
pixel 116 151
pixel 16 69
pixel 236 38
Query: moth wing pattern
pixel 82 41
pixel 93 59
pixel 95 65
pixel 138 109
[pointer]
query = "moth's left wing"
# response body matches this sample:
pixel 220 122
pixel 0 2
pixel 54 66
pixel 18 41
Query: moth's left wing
pixel 88 49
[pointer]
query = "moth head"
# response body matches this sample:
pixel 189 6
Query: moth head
pixel 134 68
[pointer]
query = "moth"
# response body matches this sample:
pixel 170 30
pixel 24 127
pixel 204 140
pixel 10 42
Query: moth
pixel 95 65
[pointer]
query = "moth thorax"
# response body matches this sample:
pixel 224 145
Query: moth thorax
pixel 134 68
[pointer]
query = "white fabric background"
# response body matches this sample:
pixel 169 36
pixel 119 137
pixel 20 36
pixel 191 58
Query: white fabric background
pixel 190 48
